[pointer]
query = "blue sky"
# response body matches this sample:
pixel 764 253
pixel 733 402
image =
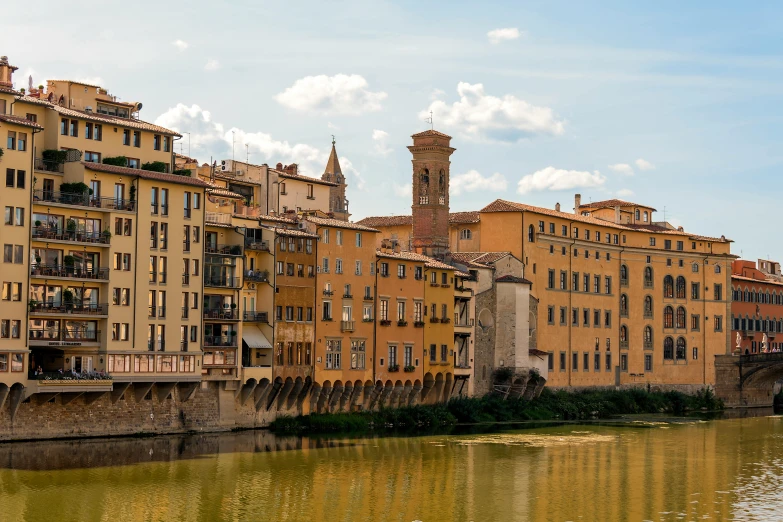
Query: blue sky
pixel 570 104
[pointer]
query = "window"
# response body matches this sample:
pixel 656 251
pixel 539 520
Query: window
pixel 680 317
pixel 325 236
pixel 358 351
pixel 607 319
pixel 333 349
pixel 648 276
pixel 137 138
pixel 694 290
pixel 586 283
pixel 531 234
pixel 562 316
pixel 11 143
pixel 338 237
pixel 562 361
pixel 550 315
pixel 718 292
pixel 608 360
pixel 680 287
pixel 401 311
pixel 623 305
pixel 401 271
pixel 358 239
pixel 156 139
pixel 695 267
pixel 563 276
pixel 668 287
pixel 551 279
pixel 596 284
pixel 695 323
pixel 186 204
pixel 680 348
pixel 607 285
pixel 563 230
pixel 667 244
pixel 126 137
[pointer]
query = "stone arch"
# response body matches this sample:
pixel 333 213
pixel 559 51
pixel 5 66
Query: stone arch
pixel 15 398
pixel 369 387
pixel 415 394
pixel 294 395
pixel 668 287
pixel 346 396
pixel 388 387
pixel 485 319
pixel 426 390
pixel 326 391
pixel 334 397
pixel 448 386
pixel 274 392
pixel 285 391
pixel 438 388
pixel 307 388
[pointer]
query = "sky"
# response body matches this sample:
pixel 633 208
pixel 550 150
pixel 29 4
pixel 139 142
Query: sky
pixel 675 105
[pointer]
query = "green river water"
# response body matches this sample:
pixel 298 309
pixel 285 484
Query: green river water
pixel 646 470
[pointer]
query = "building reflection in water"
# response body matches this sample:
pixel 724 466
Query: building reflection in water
pixel 655 472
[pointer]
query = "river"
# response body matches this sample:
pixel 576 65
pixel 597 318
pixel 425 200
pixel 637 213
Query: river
pixel 646 470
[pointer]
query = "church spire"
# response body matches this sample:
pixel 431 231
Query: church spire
pixel 338 205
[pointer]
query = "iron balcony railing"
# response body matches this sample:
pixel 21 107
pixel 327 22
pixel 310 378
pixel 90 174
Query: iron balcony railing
pixel 223 250
pixel 256 276
pixel 221 313
pixel 229 341
pixel 262 317
pixel 222 282
pixel 82 200
pixel 462 321
pixel 54 334
pixel 347 326
pixel 44 233
pixel 66 307
pixel 253 244
pixel 49 166
pixel 69 271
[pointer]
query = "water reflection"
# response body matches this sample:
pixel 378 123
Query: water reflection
pixel 715 470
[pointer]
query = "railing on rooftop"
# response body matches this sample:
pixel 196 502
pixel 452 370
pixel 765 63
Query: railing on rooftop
pixel 255 244
pixel 82 200
pixel 49 166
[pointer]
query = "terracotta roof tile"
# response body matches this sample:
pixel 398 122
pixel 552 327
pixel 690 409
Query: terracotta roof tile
pixel 19 121
pixel 430 132
pixel 612 203
pixel 277 219
pixel 8 90
pixel 759 281
pixel 33 100
pixel 500 205
pixel 294 232
pixel 396 221
pixel 339 224
pixel 146 174
pixel 512 279
pixel 478 259
pixel 413 256
pixel 114 120
pixel 306 179
pixel 222 192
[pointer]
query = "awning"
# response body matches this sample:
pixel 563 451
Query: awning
pixel 254 337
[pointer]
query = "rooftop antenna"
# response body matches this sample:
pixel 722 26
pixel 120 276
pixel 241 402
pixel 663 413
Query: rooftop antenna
pixel 430 121
pixel 188 143
pixel 333 140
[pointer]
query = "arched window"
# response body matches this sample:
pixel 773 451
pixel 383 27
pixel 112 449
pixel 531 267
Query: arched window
pixel 680 287
pixel 424 187
pixel 623 334
pixel 531 234
pixel 668 317
pixel 681 348
pixel 717 269
pixel 648 337
pixel 636 215
pixel 442 188
pixel 695 267
pixel 623 275
pixel 680 317
pixel 645 216
pixel 668 286
pixel 648 277
pixel 648 306
pixel 465 233
pixel 668 348
pixel 624 305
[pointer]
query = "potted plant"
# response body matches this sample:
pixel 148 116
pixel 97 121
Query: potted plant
pixel 106 235
pixel 409 369
pixel 70 226
pixel 236 250
pixel 33 304
pixel 69 262
pixel 37 223
pixel 68 298
pixel 394 368
pixel 41 87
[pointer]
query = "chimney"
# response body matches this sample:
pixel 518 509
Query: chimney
pixel 557 207
pixel 279 166
pixel 617 214
pixel 577 203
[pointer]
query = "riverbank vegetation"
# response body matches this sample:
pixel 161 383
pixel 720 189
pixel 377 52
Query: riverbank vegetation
pixel 550 405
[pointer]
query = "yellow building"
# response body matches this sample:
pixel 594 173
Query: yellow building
pixel 439 329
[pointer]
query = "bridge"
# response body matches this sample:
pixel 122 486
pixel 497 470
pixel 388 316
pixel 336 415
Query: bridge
pixel 747 380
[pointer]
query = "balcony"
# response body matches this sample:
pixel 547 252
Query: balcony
pixel 261 276
pixel 445 320
pixel 347 296
pixel 624 281
pixel 217 218
pixel 222 282
pixel 418 324
pixel 385 322
pixel 402 323
pixel 44 233
pixel 156 311
pixel 70 308
pixel 251 244
pixel 223 250
pixel 368 298
pixel 69 272
pixel 648 345
pixel 347 326
pixel 50 197
pixel 228 341
pixel 251 211
pixel 52 167
pixel 328 293
pixel 623 345
pixel 252 317
pixel 223 314
pixel 648 283
pixel 45 335
pixel 623 312
pixel 648 314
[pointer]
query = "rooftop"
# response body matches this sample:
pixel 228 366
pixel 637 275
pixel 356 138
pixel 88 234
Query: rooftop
pixel 294 232
pixel 501 205
pixel 612 203
pixel 146 174
pixel 337 223
pixel 413 256
pixel 478 259
pixel 455 218
pixel 430 132
pixel 512 279
pixel 19 121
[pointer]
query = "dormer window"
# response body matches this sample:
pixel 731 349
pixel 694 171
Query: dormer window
pixel 645 216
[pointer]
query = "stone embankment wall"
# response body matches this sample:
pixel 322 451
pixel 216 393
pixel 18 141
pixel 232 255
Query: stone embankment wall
pixel 208 408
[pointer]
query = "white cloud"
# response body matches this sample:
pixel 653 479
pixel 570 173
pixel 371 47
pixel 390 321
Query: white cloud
pixel 480 116
pixel 212 65
pixel 403 190
pixel 622 168
pixel 472 180
pixel 332 126
pixel 551 178
pixel 180 44
pixel 643 164
pixel 436 94
pixel 339 94
pixel 211 139
pixel 624 193
pixel 500 35
pixel 381 139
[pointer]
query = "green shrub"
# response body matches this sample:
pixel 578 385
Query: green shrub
pixel 117 161
pixel 155 166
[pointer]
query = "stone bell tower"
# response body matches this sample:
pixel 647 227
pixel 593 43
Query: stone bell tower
pixel 431 152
